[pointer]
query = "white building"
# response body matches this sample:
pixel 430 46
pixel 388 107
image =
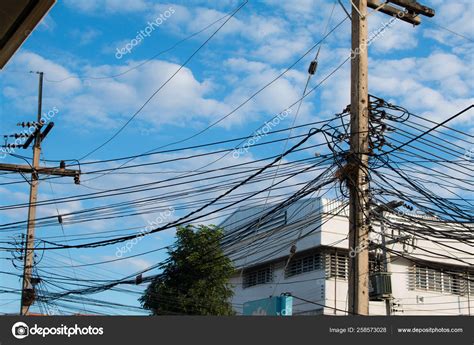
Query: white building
pixel 316 274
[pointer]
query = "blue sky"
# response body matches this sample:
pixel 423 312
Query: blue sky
pixel 427 69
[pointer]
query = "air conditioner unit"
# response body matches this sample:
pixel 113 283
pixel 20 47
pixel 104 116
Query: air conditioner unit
pixel 380 286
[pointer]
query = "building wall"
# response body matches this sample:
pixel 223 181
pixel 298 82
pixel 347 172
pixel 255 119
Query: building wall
pixel 330 295
pixel 309 285
pixel 315 227
pixel 422 302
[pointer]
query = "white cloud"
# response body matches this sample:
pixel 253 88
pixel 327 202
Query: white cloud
pixel 111 101
pixel 107 6
pixel 437 86
pixel 303 9
pixel 281 50
pixel 275 98
pixel 456 16
pixel 85 36
pixel 393 34
pixel 47 23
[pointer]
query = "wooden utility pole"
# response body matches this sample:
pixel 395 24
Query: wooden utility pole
pixel 28 290
pixel 358 179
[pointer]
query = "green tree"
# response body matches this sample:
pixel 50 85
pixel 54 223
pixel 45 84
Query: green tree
pixel 195 278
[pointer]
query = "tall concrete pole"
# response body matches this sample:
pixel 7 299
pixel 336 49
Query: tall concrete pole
pixel 27 292
pixel 358 160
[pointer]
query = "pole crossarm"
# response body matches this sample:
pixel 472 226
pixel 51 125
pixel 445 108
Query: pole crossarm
pixel 40 170
pixel 413 6
pixel 408 11
pixel 394 12
pixel 389 206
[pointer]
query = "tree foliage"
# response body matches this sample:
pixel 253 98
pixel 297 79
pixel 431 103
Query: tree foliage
pixel 195 278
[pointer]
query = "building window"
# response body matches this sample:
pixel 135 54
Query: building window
pixel 470 284
pixel 452 283
pixel 435 281
pixel 304 264
pixel 438 280
pixel 421 281
pixel 258 276
pixel 336 265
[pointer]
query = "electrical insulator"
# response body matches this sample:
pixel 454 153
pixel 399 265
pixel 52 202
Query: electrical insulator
pixel 60 219
pixel 27 124
pixel 139 279
pixel 77 180
pixel 62 165
pixel 16 136
pixel 293 249
pixel 313 67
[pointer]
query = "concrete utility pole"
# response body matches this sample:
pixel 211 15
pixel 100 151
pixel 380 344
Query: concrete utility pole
pixel 28 291
pixel 358 186
pixel 358 180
